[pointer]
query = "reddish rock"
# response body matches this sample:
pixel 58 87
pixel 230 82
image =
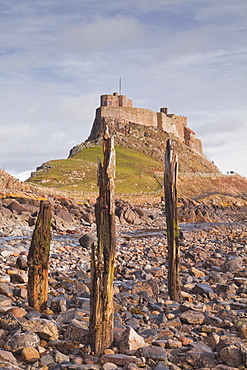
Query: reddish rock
pixel 119 359
pixel 30 355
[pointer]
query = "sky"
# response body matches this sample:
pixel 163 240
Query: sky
pixel 58 56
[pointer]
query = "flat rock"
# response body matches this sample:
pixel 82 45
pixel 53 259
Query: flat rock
pixel 4 301
pixel 21 340
pixel 153 352
pixel 120 359
pixel 203 289
pixel 192 317
pixel 7 356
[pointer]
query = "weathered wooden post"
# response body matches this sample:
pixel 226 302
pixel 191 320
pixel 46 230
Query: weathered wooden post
pixel 170 178
pixel 103 254
pixel 38 258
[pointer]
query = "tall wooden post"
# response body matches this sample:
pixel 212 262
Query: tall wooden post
pixel 171 169
pixel 38 258
pixel 103 255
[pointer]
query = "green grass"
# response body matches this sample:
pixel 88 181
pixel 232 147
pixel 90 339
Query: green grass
pixel 134 171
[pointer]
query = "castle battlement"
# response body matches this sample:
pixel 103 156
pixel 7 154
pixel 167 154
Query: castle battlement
pixel 117 109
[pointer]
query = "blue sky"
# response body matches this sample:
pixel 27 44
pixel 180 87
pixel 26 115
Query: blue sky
pixel 58 56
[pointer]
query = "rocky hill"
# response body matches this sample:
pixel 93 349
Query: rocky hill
pixel 152 142
pixel 140 163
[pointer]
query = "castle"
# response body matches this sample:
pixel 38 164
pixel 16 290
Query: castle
pixel 116 110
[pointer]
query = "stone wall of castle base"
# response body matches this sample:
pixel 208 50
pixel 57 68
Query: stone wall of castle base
pixel 197 146
pixel 118 118
pixel 140 116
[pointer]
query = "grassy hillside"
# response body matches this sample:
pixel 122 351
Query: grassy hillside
pixel 134 171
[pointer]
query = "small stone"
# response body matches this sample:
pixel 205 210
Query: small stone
pixel 60 357
pixel 4 301
pixel 19 278
pixel 76 360
pixel 203 289
pixel 161 366
pixel 90 360
pixel 197 273
pixel 192 317
pixel 109 366
pixel 30 355
pixel 212 340
pixel 46 329
pixel 87 240
pixel 130 341
pixel 174 343
pixel 21 340
pixel 149 286
pixel 119 359
pixel 153 352
pixel 174 322
pixel 232 264
pixel 7 356
pixel 9 321
pixel 4 278
pixel 46 360
pixel 76 330
pixel 18 312
pixel 185 341
pixel 232 356
pixel 21 262
pixel 108 351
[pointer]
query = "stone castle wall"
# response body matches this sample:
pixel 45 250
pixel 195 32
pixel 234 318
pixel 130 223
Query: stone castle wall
pixel 117 109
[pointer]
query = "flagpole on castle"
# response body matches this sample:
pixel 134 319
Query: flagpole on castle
pixel 120 86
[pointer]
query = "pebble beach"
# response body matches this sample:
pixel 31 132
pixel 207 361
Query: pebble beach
pixel 208 330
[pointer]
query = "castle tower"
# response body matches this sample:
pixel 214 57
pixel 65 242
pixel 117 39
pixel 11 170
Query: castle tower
pixel 115 100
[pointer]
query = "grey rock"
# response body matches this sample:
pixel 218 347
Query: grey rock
pixel 46 359
pixel 130 341
pixel 120 359
pixel 200 356
pixel 232 356
pixel 60 357
pixel 7 356
pixel 76 330
pixel 57 304
pixel 9 321
pixel 87 240
pixel 64 215
pixel 232 264
pixel 46 329
pixel 21 262
pixel 153 352
pixel 7 289
pixel 203 289
pixel 21 340
pixel 4 301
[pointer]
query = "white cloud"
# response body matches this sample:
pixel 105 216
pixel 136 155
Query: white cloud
pixel 102 34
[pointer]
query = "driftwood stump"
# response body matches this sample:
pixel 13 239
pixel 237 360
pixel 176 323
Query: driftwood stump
pixel 170 177
pixel 38 258
pixel 103 255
